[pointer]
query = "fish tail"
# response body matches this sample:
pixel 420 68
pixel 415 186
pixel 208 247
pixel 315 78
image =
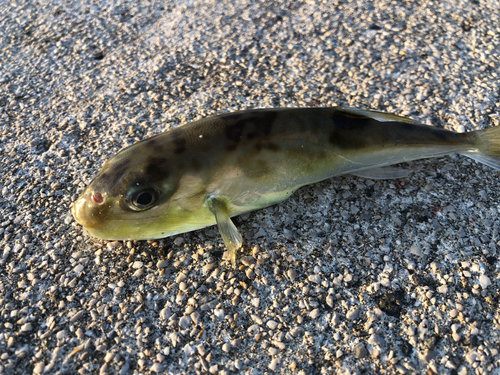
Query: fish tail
pixel 488 151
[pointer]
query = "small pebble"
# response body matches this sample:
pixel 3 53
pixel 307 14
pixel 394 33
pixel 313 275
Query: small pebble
pixel 315 279
pixel 443 289
pixel 272 324
pixel 26 327
pixel 314 314
pixel 352 314
pixel 274 364
pixel 137 264
pixel 484 281
pixel 292 275
pixel 376 340
pixel 185 322
pixel 162 264
pixel 416 250
pixel 360 351
pixel 157 367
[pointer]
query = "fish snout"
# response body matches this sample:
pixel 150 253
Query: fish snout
pixel 89 212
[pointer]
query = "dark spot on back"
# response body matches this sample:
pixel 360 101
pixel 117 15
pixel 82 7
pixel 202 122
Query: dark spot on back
pixel 180 145
pixel 234 132
pixel 345 120
pixel 156 169
pixel 258 124
pixel 154 143
pixel 345 132
pixel 263 124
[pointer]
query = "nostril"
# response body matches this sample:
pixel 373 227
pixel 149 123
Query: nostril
pixel 97 198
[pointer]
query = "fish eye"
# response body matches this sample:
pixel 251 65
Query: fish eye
pixel 141 200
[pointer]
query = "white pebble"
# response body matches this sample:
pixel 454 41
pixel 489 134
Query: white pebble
pixel 297 332
pixel 256 319
pixel 114 245
pixel 330 300
pixel 335 319
pixel 273 351
pixel 162 264
pixel 137 264
pixel 195 317
pixel 180 277
pixel 185 322
pixel 484 281
pixel 77 316
pixel 471 357
pixel 138 273
pixel 26 327
pixel 376 340
pixel 416 250
pixel 165 313
pixel 219 313
pixel 315 279
pixel 314 314
pixel 352 314
pixel 188 350
pixel 273 366
pixel 443 289
pixel 156 368
pixel 248 260
pixel 253 329
pixel 39 367
pixel 61 334
pixel 272 324
pixel 292 275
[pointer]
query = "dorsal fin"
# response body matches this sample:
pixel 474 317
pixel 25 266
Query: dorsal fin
pixel 379 116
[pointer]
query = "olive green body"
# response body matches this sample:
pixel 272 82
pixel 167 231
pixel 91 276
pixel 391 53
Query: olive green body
pixel 252 159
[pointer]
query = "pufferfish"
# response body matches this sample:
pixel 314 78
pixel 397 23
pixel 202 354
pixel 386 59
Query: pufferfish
pixel 218 167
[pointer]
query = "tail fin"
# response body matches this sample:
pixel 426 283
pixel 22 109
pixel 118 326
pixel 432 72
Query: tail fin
pixel 488 147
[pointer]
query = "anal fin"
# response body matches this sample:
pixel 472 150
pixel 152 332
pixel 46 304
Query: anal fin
pixel 228 231
pixel 382 173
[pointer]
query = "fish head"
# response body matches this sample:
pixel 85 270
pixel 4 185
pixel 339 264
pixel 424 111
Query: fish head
pixel 136 196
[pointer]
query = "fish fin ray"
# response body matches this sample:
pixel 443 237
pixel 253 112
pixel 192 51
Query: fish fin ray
pixel 382 173
pixel 488 147
pixel 230 235
pixel 490 161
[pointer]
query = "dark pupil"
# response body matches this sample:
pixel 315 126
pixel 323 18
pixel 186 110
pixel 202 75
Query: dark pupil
pixel 144 199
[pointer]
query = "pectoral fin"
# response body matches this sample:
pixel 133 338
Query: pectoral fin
pixel 382 173
pixel 230 235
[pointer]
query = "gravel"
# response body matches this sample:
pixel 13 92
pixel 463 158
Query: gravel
pixel 347 276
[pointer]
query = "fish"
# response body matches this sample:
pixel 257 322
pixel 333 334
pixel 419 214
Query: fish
pixel 208 171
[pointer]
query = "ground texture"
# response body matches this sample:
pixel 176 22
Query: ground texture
pixel 347 276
